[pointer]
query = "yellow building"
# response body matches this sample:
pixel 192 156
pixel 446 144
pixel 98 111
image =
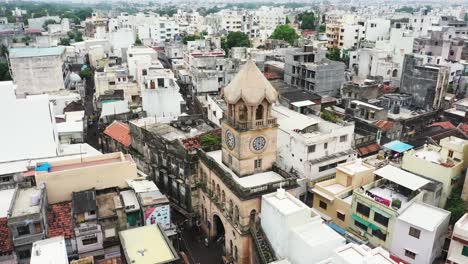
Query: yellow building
pixel 234 179
pixel 333 198
pixel 100 172
pixel 444 164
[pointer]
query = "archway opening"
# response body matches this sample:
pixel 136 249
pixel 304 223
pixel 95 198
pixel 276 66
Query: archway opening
pixel 218 229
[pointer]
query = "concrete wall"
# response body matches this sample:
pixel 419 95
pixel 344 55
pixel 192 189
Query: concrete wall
pixel 61 184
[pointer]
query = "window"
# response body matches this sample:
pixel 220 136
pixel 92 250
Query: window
pixel 344 138
pixel 92 212
pixel 465 251
pixel 450 153
pixel 311 149
pixel 380 219
pixel 325 145
pixel 323 205
pixel 230 159
pixel 24 254
pixel 414 232
pixel 340 216
pixel 37 228
pixel 258 164
pixel 23 230
pixel 361 226
pixel 379 234
pixel 89 241
pixel 362 209
pixel 410 254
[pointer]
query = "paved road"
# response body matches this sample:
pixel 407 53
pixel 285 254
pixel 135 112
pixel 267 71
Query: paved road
pixel 92 134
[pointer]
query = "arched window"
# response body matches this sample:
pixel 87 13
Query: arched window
pixel 218 191
pixel 223 198
pixel 395 73
pixel 231 209
pixel 242 113
pixel 230 246
pixel 235 253
pixel 253 215
pixel 213 186
pixel 236 214
pixel 259 112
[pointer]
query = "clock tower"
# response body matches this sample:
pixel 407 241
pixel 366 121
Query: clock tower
pixel 248 130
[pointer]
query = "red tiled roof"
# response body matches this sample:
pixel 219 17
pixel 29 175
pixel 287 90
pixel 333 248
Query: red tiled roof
pixel 59 218
pixel 445 125
pixel 369 149
pixel 120 132
pixel 385 125
pixel 463 127
pixel 6 245
pixel 113 260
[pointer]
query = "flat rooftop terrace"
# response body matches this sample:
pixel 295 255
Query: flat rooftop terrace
pixel 91 163
pixel 23 204
pixel 247 181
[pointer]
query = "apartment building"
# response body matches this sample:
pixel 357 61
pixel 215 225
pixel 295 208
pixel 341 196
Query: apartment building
pixel 420 233
pixel 444 163
pixel 308 69
pixel 376 206
pixel 310 146
pixel 38 70
pixel 458 250
pixel 333 198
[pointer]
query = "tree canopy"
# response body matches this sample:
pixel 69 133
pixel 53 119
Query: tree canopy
pixel 188 38
pixel 455 205
pixel 405 9
pixel 4 71
pixel 237 39
pixel 286 33
pixel 334 54
pixel 307 20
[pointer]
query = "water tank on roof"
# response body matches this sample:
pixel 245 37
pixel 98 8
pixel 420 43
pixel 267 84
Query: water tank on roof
pixel 396 109
pixel 35 198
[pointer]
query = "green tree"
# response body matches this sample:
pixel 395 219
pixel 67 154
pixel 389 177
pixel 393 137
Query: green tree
pixel 237 39
pixel 64 42
pixel 307 20
pixel 455 205
pixel 188 38
pixel 405 9
pixel 287 21
pixel 286 33
pixel 86 74
pixel 71 35
pixel 329 116
pixel 78 36
pixel 334 54
pixel 138 41
pixel 3 51
pixel 47 23
pixel 4 71
pixel 322 28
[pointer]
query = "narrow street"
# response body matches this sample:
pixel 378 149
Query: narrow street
pixel 92 135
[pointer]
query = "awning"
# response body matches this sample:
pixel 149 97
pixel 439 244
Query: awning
pixel 373 227
pixel 303 103
pixel 398 146
pixel 375 209
pixel 324 195
pixel 337 228
pixel 360 220
pixel 456 177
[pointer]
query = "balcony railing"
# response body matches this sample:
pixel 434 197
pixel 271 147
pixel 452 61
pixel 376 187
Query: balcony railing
pixel 289 180
pixel 27 239
pixel 249 125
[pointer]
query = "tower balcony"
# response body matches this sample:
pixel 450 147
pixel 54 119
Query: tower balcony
pixel 252 124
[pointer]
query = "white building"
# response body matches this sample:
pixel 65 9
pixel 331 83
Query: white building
pixel 120 40
pixel 30 124
pixel 140 57
pixel 458 250
pixel 160 94
pixel 296 233
pixel 359 254
pixel 376 29
pixel 71 130
pixel 419 233
pixel 39 70
pixel 311 146
pixel 51 250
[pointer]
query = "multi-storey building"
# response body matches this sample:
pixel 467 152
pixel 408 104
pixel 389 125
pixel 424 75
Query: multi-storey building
pixel 458 250
pixel 444 163
pixel 308 69
pixel 27 219
pixel 39 70
pixel 233 179
pixel 376 206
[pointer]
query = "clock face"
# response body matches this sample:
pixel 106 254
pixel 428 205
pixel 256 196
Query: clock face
pixel 230 139
pixel 258 143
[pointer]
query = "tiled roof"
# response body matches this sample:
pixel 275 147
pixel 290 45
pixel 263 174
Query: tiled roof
pixel 59 218
pixel 463 127
pixel 385 125
pixel 113 260
pixel 6 245
pixel 445 125
pixel 368 149
pixel 120 132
